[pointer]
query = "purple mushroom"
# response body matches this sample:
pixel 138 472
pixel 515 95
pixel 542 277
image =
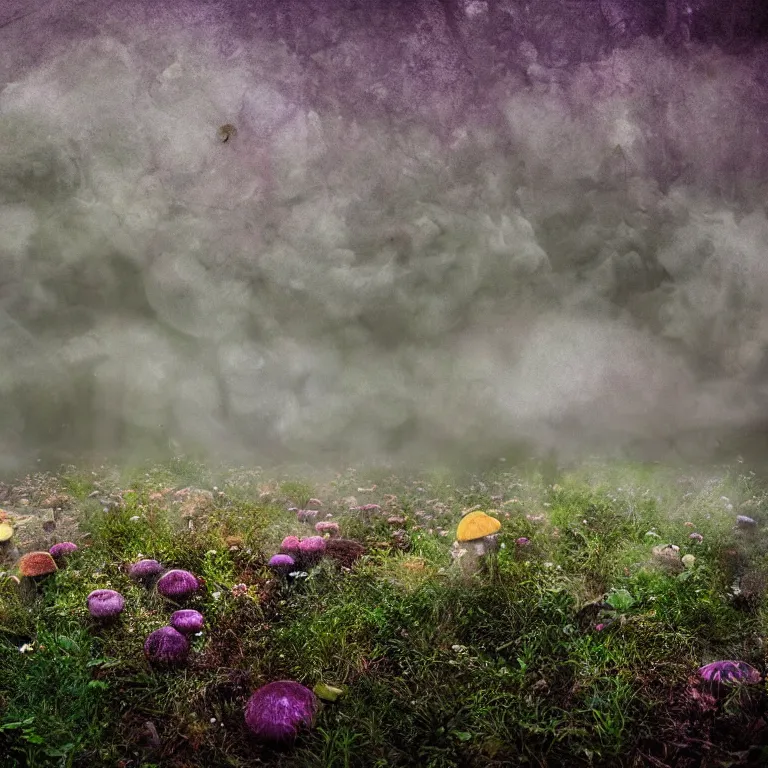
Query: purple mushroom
pixel 187 621
pixel 290 546
pixel 282 564
pixel 742 521
pixel 311 551
pixel 105 603
pixel 61 550
pixel 277 711
pixel 327 526
pixel 145 570
pixel 729 672
pixel 166 646
pixel 523 541
pixel 177 584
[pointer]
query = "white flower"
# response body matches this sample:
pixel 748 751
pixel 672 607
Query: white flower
pixel 216 595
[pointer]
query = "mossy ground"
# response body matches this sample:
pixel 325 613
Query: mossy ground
pixel 440 669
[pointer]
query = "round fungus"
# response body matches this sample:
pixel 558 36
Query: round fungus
pixel 143 570
pixel 282 564
pixel 729 673
pixel 166 647
pixel 6 532
pixel 105 603
pixel 327 527
pixel 177 584
pixel 277 711
pixel 187 621
pixel 62 549
pixel 290 546
pixel 35 564
pixel 311 551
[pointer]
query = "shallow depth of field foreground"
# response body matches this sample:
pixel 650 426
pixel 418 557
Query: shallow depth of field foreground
pixel 574 636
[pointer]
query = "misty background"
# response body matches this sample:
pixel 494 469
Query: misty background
pixel 441 228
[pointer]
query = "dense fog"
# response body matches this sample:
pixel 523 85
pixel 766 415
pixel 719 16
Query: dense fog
pixel 434 229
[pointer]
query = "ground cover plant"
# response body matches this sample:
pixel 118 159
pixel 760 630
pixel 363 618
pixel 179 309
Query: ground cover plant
pixel 576 641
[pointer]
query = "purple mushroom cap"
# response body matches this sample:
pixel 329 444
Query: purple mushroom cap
pixel 311 550
pixel 177 584
pixel 187 621
pixel 282 564
pixel 277 711
pixel 166 646
pixel 743 521
pixel 290 546
pixel 729 672
pixel 144 569
pixel 523 541
pixel 105 603
pixel 61 550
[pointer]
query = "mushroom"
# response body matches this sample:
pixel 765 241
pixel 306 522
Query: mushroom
pixel 144 570
pixel 721 674
pixel 35 565
pixel 306 515
pixel 105 604
pixel 478 531
pixel 327 527
pixel 282 564
pixel 33 568
pixel 6 547
pixel 166 647
pixel 277 711
pixel 745 523
pixel 311 551
pixel 187 621
pixel 60 551
pixel 290 546
pixel 177 584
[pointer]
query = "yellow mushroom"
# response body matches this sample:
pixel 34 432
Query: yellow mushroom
pixel 6 532
pixel 480 529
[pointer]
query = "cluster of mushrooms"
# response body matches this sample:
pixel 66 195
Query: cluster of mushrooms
pixel 278 711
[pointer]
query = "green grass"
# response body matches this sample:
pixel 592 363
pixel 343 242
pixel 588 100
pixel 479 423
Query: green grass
pixel 439 669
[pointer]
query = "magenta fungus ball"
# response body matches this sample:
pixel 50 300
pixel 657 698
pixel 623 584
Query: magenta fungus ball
pixel 61 550
pixel 290 546
pixel 177 584
pixel 729 672
pixel 282 564
pixel 105 603
pixel 143 570
pixel 187 621
pixel 166 647
pixel 311 551
pixel 277 711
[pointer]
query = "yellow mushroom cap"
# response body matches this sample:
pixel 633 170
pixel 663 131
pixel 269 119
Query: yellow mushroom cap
pixel 5 532
pixel 476 525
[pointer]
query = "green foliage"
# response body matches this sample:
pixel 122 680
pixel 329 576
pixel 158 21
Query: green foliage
pixel 438 668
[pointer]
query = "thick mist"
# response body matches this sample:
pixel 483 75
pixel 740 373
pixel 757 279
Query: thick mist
pixel 438 228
